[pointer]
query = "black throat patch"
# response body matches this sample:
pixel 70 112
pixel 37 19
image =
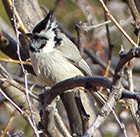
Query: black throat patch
pixel 57 41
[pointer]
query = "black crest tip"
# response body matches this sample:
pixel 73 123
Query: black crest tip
pixel 42 25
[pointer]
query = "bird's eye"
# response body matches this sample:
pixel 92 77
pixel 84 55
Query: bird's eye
pixel 35 37
pixel 43 43
pixel 43 38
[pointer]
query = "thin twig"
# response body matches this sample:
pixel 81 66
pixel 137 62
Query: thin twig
pixel 103 113
pixel 117 24
pixel 20 26
pixel 9 123
pixel 119 122
pixel 12 102
pixel 132 103
pixel 134 10
pixel 15 19
pixel 14 61
pixel 97 60
pixel 136 16
pixel 110 48
pixel 113 28
pixel 91 27
pixel 17 35
pixel 28 99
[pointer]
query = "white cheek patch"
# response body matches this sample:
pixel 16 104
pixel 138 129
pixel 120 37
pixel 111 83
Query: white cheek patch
pixel 49 47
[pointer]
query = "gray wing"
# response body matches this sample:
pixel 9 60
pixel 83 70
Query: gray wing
pixel 83 66
pixel 70 52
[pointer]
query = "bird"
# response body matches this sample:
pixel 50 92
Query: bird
pixel 53 55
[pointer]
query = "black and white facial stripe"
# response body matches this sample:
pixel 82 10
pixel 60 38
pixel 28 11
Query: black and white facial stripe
pixel 46 30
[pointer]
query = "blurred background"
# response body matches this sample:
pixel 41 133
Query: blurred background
pixel 69 13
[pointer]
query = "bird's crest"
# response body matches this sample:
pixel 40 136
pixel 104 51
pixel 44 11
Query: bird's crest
pixel 46 24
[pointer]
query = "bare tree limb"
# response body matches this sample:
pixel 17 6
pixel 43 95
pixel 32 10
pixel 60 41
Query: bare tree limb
pixel 72 83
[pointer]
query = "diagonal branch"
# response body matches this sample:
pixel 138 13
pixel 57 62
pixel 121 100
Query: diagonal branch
pixel 117 24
